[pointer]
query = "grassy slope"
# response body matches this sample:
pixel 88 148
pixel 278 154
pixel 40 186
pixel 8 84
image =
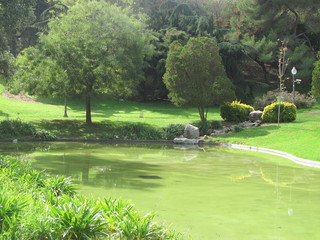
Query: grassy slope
pixel 300 138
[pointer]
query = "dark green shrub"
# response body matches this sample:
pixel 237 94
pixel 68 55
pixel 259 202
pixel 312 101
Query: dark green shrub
pixel 137 131
pixel 172 131
pixel 15 128
pixel 215 124
pixel 203 126
pixel 301 100
pixel 235 111
pixel 288 112
pixel 44 135
pixel 206 126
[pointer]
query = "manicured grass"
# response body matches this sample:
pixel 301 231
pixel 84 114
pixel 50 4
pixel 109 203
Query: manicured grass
pixel 300 138
pixel 156 114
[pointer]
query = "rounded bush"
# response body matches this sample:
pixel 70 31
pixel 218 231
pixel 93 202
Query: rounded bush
pixel 288 112
pixel 235 111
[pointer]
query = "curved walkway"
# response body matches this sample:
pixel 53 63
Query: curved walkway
pixel 289 156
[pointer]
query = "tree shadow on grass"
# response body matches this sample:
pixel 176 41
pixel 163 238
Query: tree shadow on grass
pixel 135 109
pixel 3 114
pixel 106 107
pixel 65 128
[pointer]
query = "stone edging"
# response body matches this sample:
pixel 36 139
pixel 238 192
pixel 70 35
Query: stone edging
pixel 289 156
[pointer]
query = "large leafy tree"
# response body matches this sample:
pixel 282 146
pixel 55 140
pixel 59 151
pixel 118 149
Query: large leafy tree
pixel 100 48
pixel 195 76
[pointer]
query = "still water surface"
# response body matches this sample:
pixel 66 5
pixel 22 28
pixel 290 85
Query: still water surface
pixel 206 193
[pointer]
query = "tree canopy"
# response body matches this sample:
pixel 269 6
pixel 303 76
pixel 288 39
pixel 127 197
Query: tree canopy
pixel 99 47
pixel 247 32
pixel 195 76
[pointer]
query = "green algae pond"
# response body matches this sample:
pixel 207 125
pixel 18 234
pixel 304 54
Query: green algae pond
pixel 203 192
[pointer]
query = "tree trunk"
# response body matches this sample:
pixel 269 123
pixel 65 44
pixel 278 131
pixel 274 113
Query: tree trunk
pixel 206 114
pixel 202 114
pixel 65 107
pixel 263 67
pixel 88 108
pixel 296 19
pixel 264 70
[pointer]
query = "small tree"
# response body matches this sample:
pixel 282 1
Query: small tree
pixel 282 67
pixel 195 76
pixel 315 90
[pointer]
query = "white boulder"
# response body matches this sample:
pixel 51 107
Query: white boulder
pixel 191 132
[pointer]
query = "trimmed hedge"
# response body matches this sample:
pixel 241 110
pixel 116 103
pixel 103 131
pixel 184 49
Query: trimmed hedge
pixel 235 111
pixel 288 112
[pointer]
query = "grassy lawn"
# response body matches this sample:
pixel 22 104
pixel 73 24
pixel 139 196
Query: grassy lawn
pixel 300 138
pixel 157 114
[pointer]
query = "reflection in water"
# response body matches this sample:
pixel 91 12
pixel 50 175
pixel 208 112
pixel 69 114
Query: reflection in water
pixel 206 192
pixel 263 176
pixel 149 177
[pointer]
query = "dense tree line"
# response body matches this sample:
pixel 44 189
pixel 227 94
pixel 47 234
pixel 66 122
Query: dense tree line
pixel 248 33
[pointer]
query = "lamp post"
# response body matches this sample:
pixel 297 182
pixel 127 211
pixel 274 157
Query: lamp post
pixel 294 72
